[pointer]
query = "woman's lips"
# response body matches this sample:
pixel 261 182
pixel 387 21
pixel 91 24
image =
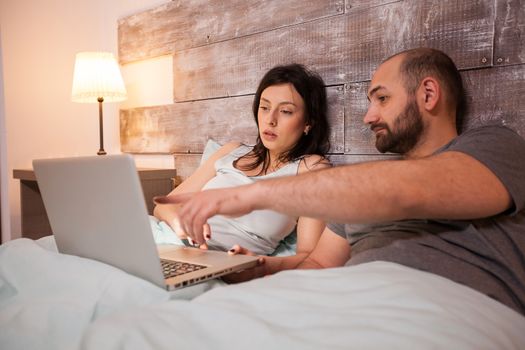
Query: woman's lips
pixel 268 135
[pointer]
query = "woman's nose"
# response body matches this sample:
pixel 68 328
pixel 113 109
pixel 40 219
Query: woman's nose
pixel 272 118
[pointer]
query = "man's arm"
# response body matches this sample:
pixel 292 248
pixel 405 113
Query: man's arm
pixel 451 185
pixel 206 171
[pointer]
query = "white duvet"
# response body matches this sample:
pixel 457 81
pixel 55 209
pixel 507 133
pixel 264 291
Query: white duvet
pixel 55 301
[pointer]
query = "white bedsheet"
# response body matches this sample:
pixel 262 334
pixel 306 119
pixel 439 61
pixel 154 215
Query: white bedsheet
pixel 54 301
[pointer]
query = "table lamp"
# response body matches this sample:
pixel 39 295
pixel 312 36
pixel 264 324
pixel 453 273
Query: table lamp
pixel 97 78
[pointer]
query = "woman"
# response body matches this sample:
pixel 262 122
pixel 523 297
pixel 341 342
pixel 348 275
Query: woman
pixel 290 109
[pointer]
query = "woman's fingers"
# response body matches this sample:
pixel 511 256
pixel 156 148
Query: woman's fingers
pixel 237 249
pixel 206 231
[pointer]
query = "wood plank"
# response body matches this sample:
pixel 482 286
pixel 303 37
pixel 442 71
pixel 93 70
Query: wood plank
pixel 509 42
pixel 344 159
pixel 360 5
pixel 342 49
pixel 336 118
pixel 186 164
pixel 487 91
pixel 186 127
pixel 180 25
pixel 359 139
pixel 494 97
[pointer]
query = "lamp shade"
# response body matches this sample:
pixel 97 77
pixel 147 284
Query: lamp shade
pixel 97 75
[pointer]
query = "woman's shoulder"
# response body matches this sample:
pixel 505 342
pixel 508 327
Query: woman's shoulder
pixel 230 146
pixel 313 162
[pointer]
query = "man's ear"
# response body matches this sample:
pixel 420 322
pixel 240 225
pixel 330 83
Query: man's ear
pixel 430 93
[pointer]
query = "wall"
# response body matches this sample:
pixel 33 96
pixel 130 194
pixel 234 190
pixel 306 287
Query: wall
pixel 3 161
pixel 221 49
pixel 39 41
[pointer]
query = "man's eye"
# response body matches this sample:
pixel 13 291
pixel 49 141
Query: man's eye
pixel 382 98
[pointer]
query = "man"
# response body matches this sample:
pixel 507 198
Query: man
pixel 453 206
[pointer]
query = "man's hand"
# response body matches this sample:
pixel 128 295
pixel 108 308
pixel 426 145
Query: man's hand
pixel 175 226
pixel 196 208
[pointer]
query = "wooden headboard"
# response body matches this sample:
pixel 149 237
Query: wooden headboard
pixel 221 49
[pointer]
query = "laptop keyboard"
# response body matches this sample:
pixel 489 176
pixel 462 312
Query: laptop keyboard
pixel 176 268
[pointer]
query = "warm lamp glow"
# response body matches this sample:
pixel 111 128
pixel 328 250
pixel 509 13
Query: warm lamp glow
pixel 97 74
pixel 97 78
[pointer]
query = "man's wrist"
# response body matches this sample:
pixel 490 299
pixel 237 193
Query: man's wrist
pixel 257 196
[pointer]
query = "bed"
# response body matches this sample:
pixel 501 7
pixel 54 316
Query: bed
pixel 55 301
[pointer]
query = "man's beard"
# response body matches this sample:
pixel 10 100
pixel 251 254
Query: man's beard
pixel 407 130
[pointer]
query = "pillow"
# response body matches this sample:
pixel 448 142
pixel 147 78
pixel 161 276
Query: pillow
pixel 287 246
pixel 211 147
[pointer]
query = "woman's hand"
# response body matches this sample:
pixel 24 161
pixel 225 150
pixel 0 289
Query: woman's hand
pixel 249 274
pixel 237 249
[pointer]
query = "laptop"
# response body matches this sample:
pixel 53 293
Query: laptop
pixel 97 210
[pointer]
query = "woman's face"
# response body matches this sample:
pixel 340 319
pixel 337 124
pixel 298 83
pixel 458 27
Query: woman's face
pixel 281 118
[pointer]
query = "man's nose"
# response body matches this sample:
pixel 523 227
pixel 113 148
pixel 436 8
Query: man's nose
pixel 371 115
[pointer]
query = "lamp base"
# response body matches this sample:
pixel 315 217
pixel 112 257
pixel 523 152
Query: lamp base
pixel 101 151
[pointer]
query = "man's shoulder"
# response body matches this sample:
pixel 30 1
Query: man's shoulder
pixel 489 130
pixel 487 137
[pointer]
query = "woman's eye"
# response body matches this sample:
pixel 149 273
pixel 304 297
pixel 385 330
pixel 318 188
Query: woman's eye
pixel 285 111
pixel 263 108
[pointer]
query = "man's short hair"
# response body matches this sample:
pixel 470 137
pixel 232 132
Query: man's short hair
pixel 423 62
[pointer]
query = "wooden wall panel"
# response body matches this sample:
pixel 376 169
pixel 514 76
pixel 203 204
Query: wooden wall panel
pixel 342 49
pixel 222 48
pixel 342 159
pixel 509 36
pixel 495 96
pixel 359 139
pixel 360 5
pixel 185 164
pixel 489 97
pixel 179 25
pixel 186 127
pixel 336 118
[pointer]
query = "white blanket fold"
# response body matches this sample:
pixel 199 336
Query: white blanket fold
pixel 372 306
pixel 55 301
pixel 48 299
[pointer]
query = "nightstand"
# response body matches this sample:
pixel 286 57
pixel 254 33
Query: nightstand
pixel 35 224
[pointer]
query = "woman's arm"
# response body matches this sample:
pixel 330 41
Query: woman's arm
pixel 331 250
pixel 309 231
pixel 308 234
pixel 194 183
